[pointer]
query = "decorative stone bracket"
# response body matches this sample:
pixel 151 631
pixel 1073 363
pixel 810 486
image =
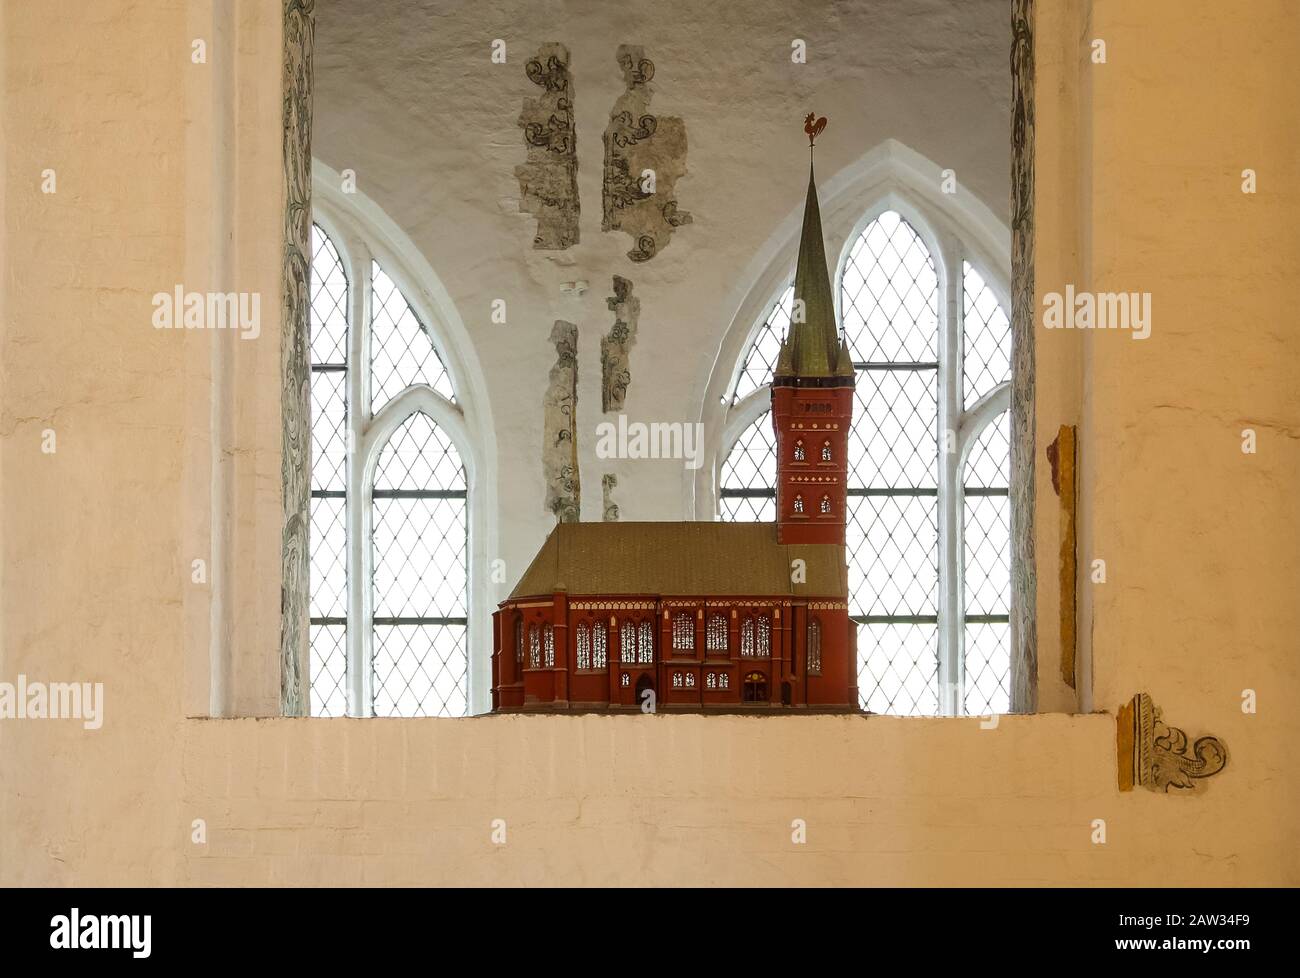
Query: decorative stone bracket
pixel 1155 756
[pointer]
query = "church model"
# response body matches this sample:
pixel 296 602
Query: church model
pixel 708 616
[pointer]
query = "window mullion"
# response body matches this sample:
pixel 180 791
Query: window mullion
pixel 360 696
pixel 949 515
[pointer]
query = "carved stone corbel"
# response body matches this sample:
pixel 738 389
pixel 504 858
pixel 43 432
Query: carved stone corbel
pixel 1155 756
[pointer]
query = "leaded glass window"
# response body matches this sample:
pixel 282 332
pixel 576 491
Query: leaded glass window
pixel 535 647
pixel 519 641
pixel 548 645
pixel 814 647
pixel 933 636
pixel 764 635
pixel 411 658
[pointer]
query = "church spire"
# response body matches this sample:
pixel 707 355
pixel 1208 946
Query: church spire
pixel 813 348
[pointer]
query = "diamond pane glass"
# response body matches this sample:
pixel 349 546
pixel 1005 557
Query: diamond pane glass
pixel 329 454
pixel 988 668
pixel 987 337
pixel 328 558
pixel 420 545
pixel 401 352
pixel 988 463
pixel 419 455
pixel 420 670
pixel 889 295
pixel 760 361
pixel 329 301
pixel 327 536
pixel 987 571
pixel 898 668
pixel 329 660
pixel 751 464
pixel 892 443
pixel 893 545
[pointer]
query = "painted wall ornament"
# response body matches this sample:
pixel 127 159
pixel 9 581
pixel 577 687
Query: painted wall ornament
pixel 645 154
pixel 1158 757
pixel 548 180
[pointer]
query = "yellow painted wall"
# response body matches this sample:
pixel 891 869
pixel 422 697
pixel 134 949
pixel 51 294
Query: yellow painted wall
pixel 1139 189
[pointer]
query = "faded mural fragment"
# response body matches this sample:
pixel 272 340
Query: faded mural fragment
pixel 615 371
pixel 644 156
pixel 559 412
pixel 548 181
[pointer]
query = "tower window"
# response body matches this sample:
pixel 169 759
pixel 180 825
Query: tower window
pixel 798 451
pixel 825 504
pixel 826 451
pixel 798 504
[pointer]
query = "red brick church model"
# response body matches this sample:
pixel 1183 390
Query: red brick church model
pixel 709 616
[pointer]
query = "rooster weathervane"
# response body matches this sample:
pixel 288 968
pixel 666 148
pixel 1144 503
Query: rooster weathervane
pixel 813 127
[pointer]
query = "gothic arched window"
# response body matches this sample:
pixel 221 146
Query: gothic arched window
pixel 814 647
pixel 683 632
pixel 599 646
pixel 645 643
pixel 519 641
pixel 535 647
pixel 933 633
pixel 378 435
pixel 717 637
pixel 583 642
pixel 627 642
pixel 747 637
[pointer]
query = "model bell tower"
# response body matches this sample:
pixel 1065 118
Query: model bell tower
pixel 812 394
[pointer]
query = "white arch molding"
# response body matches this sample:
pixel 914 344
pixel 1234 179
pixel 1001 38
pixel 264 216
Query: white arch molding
pixel 361 231
pixel 956 228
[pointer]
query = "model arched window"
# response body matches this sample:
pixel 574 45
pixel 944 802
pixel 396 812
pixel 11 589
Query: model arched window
pixel 583 642
pixel 799 454
pixel 747 637
pixel 548 645
pixel 814 647
pixel 717 637
pixel 535 647
pixel 764 635
pixel 519 641
pixel 825 505
pixel 932 639
pixel 627 642
pixel 599 646
pixel 683 633
pixel 645 642
pixel 412 548
pixel 711 681
pixel 826 451
pixel 798 504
